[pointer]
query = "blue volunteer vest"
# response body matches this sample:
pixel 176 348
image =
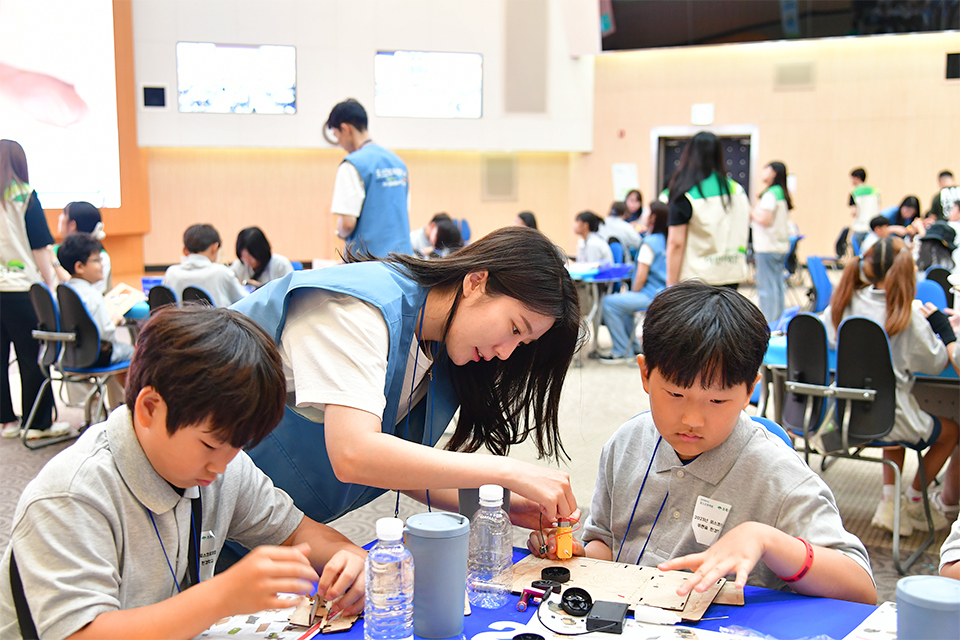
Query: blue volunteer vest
pixel 295 455
pixel 657 276
pixel 384 224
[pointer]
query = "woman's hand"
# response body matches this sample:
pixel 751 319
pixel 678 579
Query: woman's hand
pixel 543 544
pixel 548 488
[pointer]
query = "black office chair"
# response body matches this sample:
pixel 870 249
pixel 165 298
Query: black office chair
pixel 80 355
pixel 865 366
pixel 940 275
pixel 803 412
pixel 160 296
pixel 197 294
pixel 48 332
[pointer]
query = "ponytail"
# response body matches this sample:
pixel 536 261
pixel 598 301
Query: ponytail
pixel 900 284
pixel 887 261
pixel 850 281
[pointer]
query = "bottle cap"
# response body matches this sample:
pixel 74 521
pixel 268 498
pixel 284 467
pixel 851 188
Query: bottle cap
pixel 389 529
pixel 492 494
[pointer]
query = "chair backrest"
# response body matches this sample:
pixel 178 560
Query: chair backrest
pixel 930 291
pixel 617 250
pixel 84 352
pixel 806 362
pixel 864 362
pixel 160 295
pixel 297 265
pixel 48 319
pixel 197 294
pixel 773 428
pixel 822 286
pixel 940 275
pixel 790 260
pixel 464 228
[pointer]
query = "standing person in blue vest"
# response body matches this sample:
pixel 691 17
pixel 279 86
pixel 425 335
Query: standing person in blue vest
pixel 709 218
pixel 371 197
pixel 771 238
pixel 380 353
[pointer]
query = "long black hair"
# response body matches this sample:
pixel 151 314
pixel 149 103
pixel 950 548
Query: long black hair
pixel 502 402
pixel 780 180
pixel 701 158
pixel 255 242
pixel 910 201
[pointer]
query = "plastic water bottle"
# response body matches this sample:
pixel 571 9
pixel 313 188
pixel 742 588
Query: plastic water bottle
pixel 490 563
pixel 388 612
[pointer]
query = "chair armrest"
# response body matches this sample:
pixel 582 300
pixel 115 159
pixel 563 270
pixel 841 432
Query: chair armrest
pixel 53 336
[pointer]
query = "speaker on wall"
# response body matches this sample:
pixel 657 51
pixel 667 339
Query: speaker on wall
pixel 154 97
pixel 953 66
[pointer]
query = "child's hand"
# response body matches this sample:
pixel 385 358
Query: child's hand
pixel 343 580
pixel 252 584
pixel 737 551
pixel 547 538
pixel 954 317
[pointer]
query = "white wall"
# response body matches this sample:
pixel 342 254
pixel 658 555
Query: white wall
pixel 336 41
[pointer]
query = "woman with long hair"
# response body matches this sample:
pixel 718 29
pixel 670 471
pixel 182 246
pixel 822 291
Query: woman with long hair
pixel 591 247
pixel 650 279
pixel 634 204
pixel 256 264
pixel 26 258
pixel 381 353
pixel 771 238
pixel 709 218
pixel 881 285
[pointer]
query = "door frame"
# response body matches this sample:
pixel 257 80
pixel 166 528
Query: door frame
pixel 751 131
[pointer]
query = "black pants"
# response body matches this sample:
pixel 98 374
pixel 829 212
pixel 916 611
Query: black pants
pixel 17 320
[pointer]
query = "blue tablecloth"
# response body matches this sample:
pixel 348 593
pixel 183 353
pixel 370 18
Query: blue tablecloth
pixel 776 356
pixel 780 614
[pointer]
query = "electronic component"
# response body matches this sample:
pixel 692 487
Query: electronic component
pixel 564 540
pixel 531 596
pixel 557 574
pixel 546 586
pixel 576 602
pixel 607 616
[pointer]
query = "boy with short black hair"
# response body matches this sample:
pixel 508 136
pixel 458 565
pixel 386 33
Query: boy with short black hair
pixel 696 484
pixel 864 203
pixel 109 536
pixel 79 254
pixel 199 268
pixel 880 228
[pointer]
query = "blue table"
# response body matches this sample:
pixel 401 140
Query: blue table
pixel 778 613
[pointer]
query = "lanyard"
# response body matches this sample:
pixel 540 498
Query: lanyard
pixel 413 386
pixel 637 502
pixel 193 553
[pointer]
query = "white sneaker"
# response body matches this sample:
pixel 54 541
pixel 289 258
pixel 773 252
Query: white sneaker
pixel 11 430
pixel 883 518
pixel 950 511
pixel 919 518
pixel 55 431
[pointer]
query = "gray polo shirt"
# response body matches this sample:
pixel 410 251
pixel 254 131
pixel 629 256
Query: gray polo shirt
pixel 83 537
pixel 753 471
pixel 950 551
pixel 216 279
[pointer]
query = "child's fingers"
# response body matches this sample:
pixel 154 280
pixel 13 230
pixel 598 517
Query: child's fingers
pixel 692 561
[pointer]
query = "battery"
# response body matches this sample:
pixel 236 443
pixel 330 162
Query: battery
pixel 607 616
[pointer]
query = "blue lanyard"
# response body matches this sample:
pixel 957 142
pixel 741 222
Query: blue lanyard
pixel 637 502
pixel 413 385
pixel 196 543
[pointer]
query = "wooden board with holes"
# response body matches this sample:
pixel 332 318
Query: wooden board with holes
pixel 301 617
pixel 619 582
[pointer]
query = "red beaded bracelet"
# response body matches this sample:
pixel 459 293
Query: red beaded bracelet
pixel 807 563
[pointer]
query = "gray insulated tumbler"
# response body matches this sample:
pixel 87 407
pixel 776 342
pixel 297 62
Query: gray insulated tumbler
pixel 439 542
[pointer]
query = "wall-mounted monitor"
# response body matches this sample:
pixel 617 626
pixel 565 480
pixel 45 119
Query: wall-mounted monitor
pixel 428 84
pixel 231 78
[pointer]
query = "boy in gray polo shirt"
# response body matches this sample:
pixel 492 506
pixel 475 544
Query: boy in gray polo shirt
pixel 696 484
pixel 109 536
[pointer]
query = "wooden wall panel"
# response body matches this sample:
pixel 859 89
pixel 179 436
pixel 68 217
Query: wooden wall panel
pixel 879 102
pixel 287 193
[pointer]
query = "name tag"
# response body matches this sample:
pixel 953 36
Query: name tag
pixel 208 555
pixel 708 518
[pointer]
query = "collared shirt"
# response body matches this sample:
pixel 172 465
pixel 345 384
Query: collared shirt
pixel 752 471
pixel 950 551
pixel 85 543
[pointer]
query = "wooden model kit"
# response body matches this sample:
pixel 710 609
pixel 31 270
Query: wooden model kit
pixel 312 611
pixel 634 585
